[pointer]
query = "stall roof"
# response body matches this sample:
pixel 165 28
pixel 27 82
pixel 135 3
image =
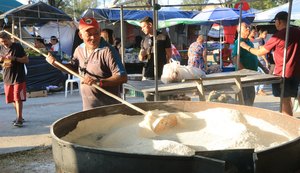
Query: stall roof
pixel 6 5
pixel 268 15
pixel 37 13
pixel 114 14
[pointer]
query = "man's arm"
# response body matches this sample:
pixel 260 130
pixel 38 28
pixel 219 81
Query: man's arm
pixel 168 54
pixel 240 65
pixel 205 58
pixel 114 80
pixel 23 59
pixel 142 54
pixel 51 60
pixel 259 52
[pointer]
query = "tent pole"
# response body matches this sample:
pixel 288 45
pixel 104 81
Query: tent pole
pixel 285 53
pixel 122 45
pixel 59 45
pixel 13 27
pixel 39 15
pixel 239 39
pixel 20 30
pixel 73 8
pixel 155 48
pixel 220 52
pixel 122 34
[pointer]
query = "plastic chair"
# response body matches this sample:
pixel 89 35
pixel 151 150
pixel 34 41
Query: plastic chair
pixel 71 79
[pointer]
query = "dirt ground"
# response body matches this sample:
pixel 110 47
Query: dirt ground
pixel 31 161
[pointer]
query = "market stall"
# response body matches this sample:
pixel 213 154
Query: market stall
pixel 39 73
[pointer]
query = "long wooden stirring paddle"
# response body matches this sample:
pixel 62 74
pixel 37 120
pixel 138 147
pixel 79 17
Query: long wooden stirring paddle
pixel 160 123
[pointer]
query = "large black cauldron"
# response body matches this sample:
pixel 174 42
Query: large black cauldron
pixel 73 158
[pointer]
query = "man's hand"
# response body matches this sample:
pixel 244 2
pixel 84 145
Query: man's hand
pixel 12 58
pixel 88 80
pixel 50 59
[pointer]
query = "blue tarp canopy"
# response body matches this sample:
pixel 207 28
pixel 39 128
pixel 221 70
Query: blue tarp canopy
pixel 224 16
pixel 114 14
pixel 37 13
pixel 6 5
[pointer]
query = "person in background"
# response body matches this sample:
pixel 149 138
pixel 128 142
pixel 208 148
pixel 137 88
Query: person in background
pixel 259 89
pixel 252 34
pixel 117 44
pixel 108 35
pixel 226 54
pixel 98 63
pixel 197 54
pixel 164 51
pixel 292 71
pixel 271 62
pixel 137 42
pixel 39 43
pixel 253 38
pixel 246 61
pixel 14 57
pixel 54 44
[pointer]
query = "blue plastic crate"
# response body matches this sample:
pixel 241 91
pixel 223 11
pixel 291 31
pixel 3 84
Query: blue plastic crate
pixel 227 69
pixel 132 93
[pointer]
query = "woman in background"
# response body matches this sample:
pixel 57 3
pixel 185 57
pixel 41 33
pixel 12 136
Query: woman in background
pixel 197 54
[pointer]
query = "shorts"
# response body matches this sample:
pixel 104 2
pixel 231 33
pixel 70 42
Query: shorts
pixel 290 88
pixel 15 92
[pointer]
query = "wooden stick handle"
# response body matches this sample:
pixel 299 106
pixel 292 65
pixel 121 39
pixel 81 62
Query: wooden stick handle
pixel 81 77
pixel 27 44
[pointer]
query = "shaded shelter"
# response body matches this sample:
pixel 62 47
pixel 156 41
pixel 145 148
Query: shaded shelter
pixel 165 18
pixel 40 74
pixel 38 13
pixel 114 14
pixel 268 15
pixel 224 16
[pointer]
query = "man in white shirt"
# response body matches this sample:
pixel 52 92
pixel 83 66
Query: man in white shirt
pixel 54 44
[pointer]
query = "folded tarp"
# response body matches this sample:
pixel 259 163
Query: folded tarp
pixel 41 74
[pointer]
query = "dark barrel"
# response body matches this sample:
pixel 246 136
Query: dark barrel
pixel 73 158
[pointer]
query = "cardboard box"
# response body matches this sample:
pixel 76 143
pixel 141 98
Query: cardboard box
pixel 33 94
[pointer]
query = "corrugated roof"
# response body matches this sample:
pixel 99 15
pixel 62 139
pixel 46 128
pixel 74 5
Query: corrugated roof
pixel 6 5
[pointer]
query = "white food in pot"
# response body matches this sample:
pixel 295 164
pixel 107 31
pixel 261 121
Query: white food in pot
pixel 213 129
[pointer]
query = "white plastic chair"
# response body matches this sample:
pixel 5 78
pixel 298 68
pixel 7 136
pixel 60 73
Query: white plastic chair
pixel 71 79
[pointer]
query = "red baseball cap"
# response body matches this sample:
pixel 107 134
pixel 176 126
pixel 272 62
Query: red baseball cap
pixel 88 23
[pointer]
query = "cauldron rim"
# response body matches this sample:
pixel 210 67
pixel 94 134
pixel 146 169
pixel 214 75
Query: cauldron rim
pixel 63 142
pixel 263 159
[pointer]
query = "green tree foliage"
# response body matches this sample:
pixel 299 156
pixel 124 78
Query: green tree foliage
pixel 257 4
pixel 77 7
pixel 72 7
pixel 265 4
pixel 141 4
pixel 82 5
pixel 193 2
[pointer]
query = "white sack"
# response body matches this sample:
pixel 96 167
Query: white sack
pixel 174 72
